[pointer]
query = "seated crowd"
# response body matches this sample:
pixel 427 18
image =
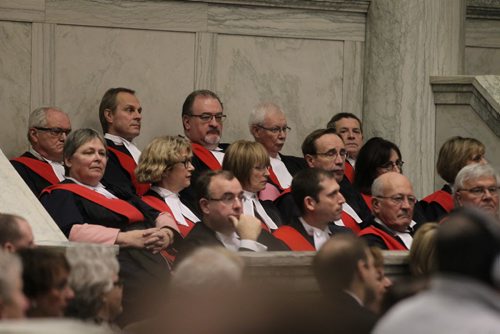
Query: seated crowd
pixel 165 205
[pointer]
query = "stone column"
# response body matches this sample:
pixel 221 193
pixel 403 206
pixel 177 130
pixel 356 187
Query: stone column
pixel 407 42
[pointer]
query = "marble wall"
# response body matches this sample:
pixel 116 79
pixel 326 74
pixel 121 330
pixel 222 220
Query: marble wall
pixel 482 50
pixel 67 53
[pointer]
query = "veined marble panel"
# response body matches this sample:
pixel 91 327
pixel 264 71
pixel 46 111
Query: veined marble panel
pixel 456 120
pixel 482 33
pixel 156 15
pixel 303 76
pixel 352 90
pixel 482 60
pixel 159 66
pixel 286 23
pixel 15 61
pixel 22 10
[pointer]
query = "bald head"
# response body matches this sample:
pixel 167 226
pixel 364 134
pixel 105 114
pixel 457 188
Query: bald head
pixel 393 200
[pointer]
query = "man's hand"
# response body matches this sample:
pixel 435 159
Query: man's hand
pixel 247 227
pixel 152 239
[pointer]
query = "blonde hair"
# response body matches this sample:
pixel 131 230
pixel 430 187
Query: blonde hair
pixel 241 156
pixel 160 154
pixel 454 155
pixel 422 256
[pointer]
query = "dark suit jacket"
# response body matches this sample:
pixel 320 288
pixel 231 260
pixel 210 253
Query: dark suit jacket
pixel 334 229
pixel 34 181
pixel 202 235
pixel 375 240
pixel 354 199
pixel 293 164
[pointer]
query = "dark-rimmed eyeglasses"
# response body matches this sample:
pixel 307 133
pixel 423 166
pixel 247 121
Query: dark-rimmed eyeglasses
pixel 332 154
pixel 56 132
pixel 186 162
pixel 276 129
pixel 481 191
pixel 391 165
pixel 228 198
pixel 205 117
pixel 399 199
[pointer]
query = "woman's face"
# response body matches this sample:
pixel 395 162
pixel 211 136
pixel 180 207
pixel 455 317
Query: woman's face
pixel 258 178
pixel 395 164
pixel 178 176
pixel 54 302
pixel 476 158
pixel 88 163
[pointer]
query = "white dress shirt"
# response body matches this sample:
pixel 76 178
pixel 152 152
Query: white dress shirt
pixel 233 242
pixel 281 172
pixel 319 236
pixel 57 166
pixel 250 203
pixel 404 236
pixel 179 210
pixel 134 151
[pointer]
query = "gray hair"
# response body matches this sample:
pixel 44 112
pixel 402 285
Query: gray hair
pixel 258 113
pixel 93 268
pixel 472 172
pixel 378 187
pixel 78 138
pixel 38 117
pixel 10 269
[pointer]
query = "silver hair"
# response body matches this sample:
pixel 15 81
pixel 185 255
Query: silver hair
pixel 378 187
pixel 10 269
pixel 208 267
pixel 78 138
pixel 258 113
pixel 474 171
pixel 93 268
pixel 38 117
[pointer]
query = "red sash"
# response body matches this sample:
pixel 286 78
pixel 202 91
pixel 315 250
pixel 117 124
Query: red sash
pixel 275 181
pixel 161 206
pixel 350 222
pixel 442 198
pixel 293 239
pixel 128 163
pixel 206 156
pixel 390 242
pixel 39 167
pixel 113 204
pixel 368 200
pixel 349 171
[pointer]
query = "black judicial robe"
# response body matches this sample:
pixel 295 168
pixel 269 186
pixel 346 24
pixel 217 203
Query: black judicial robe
pixel 35 179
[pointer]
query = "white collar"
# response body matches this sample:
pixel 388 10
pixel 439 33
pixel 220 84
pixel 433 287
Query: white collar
pixel 99 188
pixel 319 236
pixel 130 146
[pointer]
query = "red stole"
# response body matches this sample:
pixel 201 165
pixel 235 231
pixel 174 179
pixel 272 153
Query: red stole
pixel 113 204
pixel 293 239
pixel 42 168
pixel 206 156
pixel 442 198
pixel 368 199
pixel 350 222
pixel 128 163
pixel 389 240
pixel 275 181
pixel 160 205
pixel 349 171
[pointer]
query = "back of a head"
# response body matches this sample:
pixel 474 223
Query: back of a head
pixel 422 256
pixel 9 229
pixel 10 273
pixel 468 244
pixel 336 262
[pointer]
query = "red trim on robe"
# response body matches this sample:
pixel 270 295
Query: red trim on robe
pixel 293 239
pixel 275 181
pixel 349 171
pixel 116 205
pixel 42 168
pixel 389 240
pixel 206 156
pixel 442 198
pixel 349 222
pixel 128 163
pixel 368 200
pixel 161 206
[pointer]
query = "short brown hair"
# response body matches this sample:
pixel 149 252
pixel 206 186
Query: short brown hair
pixel 108 101
pixel 241 156
pixel 454 155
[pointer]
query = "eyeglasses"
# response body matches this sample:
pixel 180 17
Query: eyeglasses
pixel 481 191
pixel 228 198
pixel 56 132
pixel 391 165
pixel 399 199
pixel 332 154
pixel 205 117
pixel 276 129
pixel 186 162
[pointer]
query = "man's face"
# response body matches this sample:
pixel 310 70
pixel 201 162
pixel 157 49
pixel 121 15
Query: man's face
pixel 480 193
pixel 49 141
pixel 350 131
pixel 330 155
pixel 267 135
pixel 205 133
pixel 224 202
pixel 328 208
pixel 26 240
pixel 395 208
pixel 125 121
